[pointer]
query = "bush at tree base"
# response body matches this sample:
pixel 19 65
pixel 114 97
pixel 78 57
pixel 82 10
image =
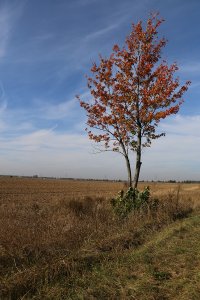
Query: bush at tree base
pixel 125 202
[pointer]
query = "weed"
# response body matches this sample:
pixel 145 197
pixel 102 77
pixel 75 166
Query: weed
pixel 124 203
pixel 161 275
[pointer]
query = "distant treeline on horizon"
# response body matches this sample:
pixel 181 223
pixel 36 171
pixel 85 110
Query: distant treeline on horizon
pixel 92 179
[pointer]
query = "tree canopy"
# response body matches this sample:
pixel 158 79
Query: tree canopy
pixel 132 90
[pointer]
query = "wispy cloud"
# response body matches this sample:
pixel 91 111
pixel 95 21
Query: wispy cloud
pixel 50 152
pixel 195 85
pixel 191 67
pixel 188 126
pixel 3 100
pixel 59 111
pixel 175 156
pixel 86 2
pixel 44 140
pixel 3 107
pixel 47 60
pixel 9 13
pixel 101 32
pixel 44 113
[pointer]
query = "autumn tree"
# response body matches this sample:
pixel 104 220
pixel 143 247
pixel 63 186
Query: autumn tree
pixel 132 90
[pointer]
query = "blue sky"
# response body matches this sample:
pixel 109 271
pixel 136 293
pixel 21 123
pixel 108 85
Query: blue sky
pixel 47 47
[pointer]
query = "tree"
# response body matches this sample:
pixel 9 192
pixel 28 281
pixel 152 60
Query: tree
pixel 132 90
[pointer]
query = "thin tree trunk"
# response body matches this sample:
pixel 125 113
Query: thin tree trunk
pixel 128 165
pixel 139 139
pixel 138 160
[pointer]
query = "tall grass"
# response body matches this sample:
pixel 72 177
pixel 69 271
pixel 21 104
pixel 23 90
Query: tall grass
pixel 44 242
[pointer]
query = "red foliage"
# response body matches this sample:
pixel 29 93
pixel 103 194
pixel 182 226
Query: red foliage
pixel 132 91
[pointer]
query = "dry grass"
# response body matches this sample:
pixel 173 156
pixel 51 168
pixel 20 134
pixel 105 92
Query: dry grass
pixel 51 231
pixel 51 189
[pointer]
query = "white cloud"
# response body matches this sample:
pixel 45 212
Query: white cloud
pixel 175 156
pixel 59 111
pixel 188 126
pixel 43 139
pixel 49 152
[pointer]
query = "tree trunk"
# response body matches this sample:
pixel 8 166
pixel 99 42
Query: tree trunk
pixel 138 160
pixel 128 165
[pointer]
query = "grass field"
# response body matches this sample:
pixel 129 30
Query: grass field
pixel 53 189
pixel 59 239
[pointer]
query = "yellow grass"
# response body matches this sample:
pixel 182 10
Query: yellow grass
pixel 56 189
pixel 51 231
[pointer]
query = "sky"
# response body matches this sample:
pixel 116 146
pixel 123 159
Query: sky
pixel 46 49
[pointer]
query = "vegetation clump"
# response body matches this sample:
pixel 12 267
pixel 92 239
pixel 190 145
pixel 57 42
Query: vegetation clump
pixel 133 199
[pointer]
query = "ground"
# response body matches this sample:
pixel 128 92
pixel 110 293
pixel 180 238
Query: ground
pixel 59 239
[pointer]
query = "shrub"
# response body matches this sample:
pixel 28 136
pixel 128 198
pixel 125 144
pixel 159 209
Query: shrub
pixel 124 203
